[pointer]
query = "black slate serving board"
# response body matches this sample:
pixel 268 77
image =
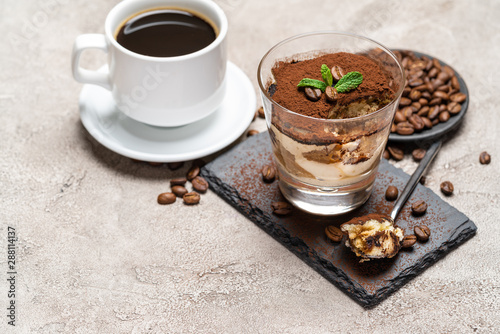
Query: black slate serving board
pixel 235 176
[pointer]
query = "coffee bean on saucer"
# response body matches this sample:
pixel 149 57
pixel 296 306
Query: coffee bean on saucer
pixel 175 165
pixel 313 94
pixel 191 198
pixel 408 241
pixel 333 233
pixel 396 152
pixel 418 154
pixel 179 181
pixel 458 97
pixel 418 208
pixel 252 133
pixel 422 233
pixel 405 128
pixel 447 188
pixel 179 191
pixel 193 172
pixel 200 184
pixel 268 173
pixel 391 194
pixel 261 113
pixel 281 208
pixel 484 158
pixel 166 198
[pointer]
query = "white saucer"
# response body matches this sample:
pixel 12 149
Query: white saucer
pixel 140 141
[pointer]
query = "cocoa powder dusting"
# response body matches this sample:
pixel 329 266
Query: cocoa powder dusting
pixel 288 74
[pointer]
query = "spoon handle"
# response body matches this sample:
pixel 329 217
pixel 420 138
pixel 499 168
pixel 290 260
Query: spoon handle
pixel 412 182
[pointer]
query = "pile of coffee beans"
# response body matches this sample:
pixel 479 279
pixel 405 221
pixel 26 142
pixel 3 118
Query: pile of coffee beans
pixel 431 94
pixel 179 190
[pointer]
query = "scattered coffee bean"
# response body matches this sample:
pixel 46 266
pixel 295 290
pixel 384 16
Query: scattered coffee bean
pixel 252 133
pixel 331 93
pixel 333 233
pixel 422 233
pixel 166 198
pixel 179 181
pixel 408 241
pixel 175 165
pixel 179 191
pixel 313 94
pixel 193 172
pixel 418 154
pixel 386 155
pixel 155 164
pixel 396 152
pixel 281 208
pixel 261 112
pixel 200 184
pixel 391 194
pixel 268 173
pixel 418 208
pixel 423 178
pixel 337 73
pixel 484 158
pixel 191 198
pixel 447 188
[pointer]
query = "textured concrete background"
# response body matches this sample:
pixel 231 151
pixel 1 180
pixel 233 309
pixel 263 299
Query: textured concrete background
pixel 96 254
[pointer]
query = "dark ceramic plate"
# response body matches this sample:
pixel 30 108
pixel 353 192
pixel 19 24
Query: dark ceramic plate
pixel 440 129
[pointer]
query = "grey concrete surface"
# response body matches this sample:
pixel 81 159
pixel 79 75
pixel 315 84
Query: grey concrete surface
pixel 97 254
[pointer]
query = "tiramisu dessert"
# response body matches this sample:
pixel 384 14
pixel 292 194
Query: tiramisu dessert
pixel 341 86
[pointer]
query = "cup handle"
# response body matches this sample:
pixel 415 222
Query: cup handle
pixel 89 41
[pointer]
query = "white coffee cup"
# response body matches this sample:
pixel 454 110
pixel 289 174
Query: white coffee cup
pixel 160 91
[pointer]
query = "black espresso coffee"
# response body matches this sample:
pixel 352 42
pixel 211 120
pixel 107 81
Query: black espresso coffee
pixel 166 33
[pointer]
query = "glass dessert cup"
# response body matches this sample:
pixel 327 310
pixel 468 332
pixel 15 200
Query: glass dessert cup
pixel 328 166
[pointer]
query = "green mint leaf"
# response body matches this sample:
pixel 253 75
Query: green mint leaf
pixel 349 82
pixel 306 82
pixel 327 75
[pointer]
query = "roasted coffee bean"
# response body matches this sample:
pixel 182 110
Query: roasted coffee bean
pixel 415 95
pixel 416 106
pixel 331 93
pixel 435 101
pixel 417 122
pixel 449 70
pixel 333 233
pixel 337 73
pixel 200 184
pixel 444 116
pixel 436 83
pixel 455 83
pixel 418 154
pixel 193 172
pixel 415 82
pixel 261 112
pixel 407 112
pixel 423 178
pixel 454 108
pixel 433 113
pixel 433 73
pixel 166 198
pixel 393 127
pixel 426 95
pixel 406 91
pixel 179 181
pixel 313 94
pixel 391 194
pixel 427 123
pixel 436 63
pixel 423 102
pixel 435 121
pixel 422 233
pixel 386 155
pixel 404 128
pixel 443 76
pixel 458 97
pixel 420 88
pixel 408 241
pixel 155 164
pixel 268 173
pixel 281 208
pixel 396 152
pixel 443 107
pixel 447 188
pixel 252 132
pixel 191 198
pixel 484 158
pixel 179 191
pixel 404 102
pixel 399 117
pixel 175 165
pixel 441 95
pixel 423 111
pixel 418 208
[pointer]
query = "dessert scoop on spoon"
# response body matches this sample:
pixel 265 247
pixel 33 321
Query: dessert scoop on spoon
pixel 375 235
